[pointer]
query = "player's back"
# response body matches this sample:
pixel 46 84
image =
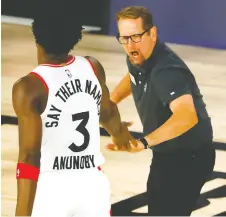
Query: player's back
pixel 71 137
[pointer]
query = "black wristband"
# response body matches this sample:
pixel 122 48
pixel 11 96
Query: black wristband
pixel 145 143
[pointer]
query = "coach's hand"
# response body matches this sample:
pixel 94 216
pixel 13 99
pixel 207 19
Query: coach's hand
pixel 132 149
pixel 123 140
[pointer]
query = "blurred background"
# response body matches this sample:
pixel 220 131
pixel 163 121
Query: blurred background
pixel 200 22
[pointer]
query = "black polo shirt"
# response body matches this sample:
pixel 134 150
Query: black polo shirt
pixel 161 79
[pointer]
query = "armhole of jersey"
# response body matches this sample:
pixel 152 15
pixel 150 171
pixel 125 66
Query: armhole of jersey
pixel 94 70
pixel 41 79
pixel 47 89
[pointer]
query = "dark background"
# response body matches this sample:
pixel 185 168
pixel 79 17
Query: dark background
pixel 95 12
pixel 192 22
pixel 195 22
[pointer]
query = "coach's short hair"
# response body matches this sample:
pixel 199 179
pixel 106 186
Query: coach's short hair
pixel 135 12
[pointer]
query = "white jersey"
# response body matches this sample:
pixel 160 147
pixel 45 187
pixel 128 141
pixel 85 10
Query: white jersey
pixel 71 135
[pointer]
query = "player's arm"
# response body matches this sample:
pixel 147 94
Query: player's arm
pixel 109 115
pixel 122 90
pixel 26 106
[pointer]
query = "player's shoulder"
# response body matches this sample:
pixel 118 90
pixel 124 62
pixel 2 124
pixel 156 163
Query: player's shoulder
pixel 22 85
pixel 21 94
pixel 26 90
pixel 27 84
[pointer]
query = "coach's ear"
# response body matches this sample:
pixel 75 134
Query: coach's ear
pixel 153 34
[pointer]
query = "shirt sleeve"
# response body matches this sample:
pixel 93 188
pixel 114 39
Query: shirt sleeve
pixel 170 84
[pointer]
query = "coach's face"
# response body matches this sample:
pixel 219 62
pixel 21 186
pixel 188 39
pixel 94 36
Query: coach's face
pixel 137 41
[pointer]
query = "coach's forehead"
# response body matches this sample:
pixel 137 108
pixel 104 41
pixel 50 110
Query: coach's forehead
pixel 128 26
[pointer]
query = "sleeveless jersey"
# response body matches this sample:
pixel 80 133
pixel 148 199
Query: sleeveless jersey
pixel 71 135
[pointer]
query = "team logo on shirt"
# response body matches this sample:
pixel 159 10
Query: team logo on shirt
pixel 145 87
pixel 68 73
pixel 172 93
pixel 132 79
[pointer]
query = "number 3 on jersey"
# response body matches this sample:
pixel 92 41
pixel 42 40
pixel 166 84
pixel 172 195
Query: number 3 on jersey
pixel 84 116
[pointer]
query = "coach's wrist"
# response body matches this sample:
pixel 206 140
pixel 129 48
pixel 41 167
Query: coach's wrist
pixel 144 142
pixel 148 143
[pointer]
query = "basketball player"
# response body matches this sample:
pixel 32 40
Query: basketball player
pixel 59 106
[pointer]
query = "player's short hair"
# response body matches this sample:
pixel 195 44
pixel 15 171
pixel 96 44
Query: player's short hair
pixel 135 12
pixel 58 33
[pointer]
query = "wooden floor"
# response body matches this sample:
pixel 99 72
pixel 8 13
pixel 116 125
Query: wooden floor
pixel 127 172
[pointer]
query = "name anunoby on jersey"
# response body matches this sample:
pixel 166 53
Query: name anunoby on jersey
pixel 69 89
pixel 73 162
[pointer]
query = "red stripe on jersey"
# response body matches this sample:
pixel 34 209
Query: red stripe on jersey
pixel 71 60
pixel 94 70
pixel 41 78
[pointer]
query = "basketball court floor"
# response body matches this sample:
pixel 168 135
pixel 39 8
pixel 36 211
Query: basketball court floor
pixel 126 172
